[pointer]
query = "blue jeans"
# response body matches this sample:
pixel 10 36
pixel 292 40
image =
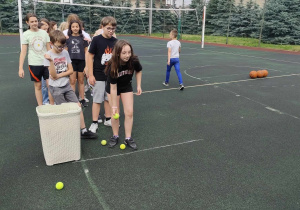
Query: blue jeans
pixel 174 62
pixel 45 92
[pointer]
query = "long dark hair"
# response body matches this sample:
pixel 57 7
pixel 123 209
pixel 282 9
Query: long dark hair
pixel 80 28
pixel 115 62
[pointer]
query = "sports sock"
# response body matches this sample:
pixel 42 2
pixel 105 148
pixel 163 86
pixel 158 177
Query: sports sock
pixel 83 130
pixel 128 138
pixel 95 122
pixel 107 118
pixel 116 136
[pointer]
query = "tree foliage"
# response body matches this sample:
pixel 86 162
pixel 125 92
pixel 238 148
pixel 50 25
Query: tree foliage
pixel 279 22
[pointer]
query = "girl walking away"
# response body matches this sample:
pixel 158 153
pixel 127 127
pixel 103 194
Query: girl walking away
pixel 174 48
pixel 77 48
pixel 119 71
pixel 37 42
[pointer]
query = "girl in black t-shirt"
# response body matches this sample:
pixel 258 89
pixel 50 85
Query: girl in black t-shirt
pixel 77 48
pixel 119 71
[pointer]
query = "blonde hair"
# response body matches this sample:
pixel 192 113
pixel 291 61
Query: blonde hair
pixel 63 26
pixel 174 32
pixel 72 17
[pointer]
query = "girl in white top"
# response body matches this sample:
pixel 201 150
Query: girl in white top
pixel 37 42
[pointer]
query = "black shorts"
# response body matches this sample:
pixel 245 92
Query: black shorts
pixel 125 89
pixel 37 72
pixel 78 65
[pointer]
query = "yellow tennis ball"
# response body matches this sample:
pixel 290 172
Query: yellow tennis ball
pixel 59 185
pixel 116 116
pixel 103 142
pixel 122 146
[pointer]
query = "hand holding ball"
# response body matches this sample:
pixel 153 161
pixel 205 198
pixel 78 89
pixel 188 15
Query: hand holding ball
pixel 116 116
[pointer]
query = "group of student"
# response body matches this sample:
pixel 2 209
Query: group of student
pixel 63 57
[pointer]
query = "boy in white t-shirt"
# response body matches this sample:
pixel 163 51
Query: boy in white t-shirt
pixel 58 61
pixel 174 48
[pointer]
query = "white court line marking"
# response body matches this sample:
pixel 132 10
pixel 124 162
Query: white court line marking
pixel 138 151
pixel 266 106
pixel 274 110
pixel 94 187
pixel 217 83
pixel 9 53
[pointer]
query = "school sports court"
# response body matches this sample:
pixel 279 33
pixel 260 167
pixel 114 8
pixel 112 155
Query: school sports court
pixel 225 142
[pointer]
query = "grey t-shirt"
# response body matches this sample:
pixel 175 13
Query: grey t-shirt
pixel 61 61
pixel 174 45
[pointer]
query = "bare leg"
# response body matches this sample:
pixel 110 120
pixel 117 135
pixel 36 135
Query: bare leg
pixel 38 92
pixel 73 80
pixel 81 84
pixel 107 109
pixel 127 100
pixel 114 123
pixel 51 99
pixel 82 123
pixel 95 111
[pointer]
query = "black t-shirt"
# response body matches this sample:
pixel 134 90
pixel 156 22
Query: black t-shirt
pixel 102 49
pixel 76 46
pixel 124 76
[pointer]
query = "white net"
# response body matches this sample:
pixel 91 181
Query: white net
pixel 131 19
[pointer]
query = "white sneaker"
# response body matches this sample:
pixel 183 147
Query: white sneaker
pixel 94 127
pixel 165 84
pixel 107 122
pixel 100 119
pixel 86 100
pixel 181 87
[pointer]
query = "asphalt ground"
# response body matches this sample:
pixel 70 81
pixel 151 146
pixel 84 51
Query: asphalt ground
pixel 225 142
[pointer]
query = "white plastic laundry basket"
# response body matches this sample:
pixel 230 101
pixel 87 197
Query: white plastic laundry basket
pixel 60 132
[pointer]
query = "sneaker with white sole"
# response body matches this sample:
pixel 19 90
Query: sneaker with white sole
pixel 165 84
pixel 100 119
pixel 86 100
pixel 131 143
pixel 83 103
pixel 89 135
pixel 94 127
pixel 181 87
pixel 107 122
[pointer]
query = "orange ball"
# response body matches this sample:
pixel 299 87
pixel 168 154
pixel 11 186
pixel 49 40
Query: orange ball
pixel 253 74
pixel 260 74
pixel 265 72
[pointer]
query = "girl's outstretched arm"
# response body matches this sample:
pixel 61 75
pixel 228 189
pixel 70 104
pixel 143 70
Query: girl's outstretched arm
pixel 138 76
pixel 114 98
pixel 21 61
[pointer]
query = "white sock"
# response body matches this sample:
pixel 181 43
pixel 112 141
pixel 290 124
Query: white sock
pixel 83 130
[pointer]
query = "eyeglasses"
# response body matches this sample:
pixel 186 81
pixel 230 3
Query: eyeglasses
pixel 110 29
pixel 60 47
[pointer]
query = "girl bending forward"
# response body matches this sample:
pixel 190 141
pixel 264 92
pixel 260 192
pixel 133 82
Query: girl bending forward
pixel 120 70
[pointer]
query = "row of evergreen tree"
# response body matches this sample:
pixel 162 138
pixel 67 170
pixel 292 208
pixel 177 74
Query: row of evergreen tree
pixel 278 22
